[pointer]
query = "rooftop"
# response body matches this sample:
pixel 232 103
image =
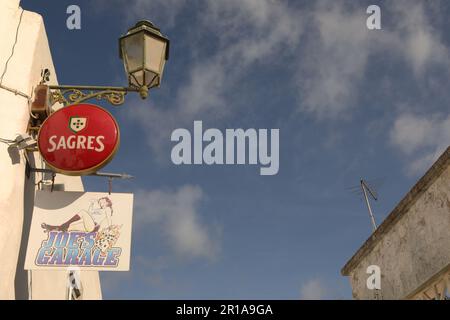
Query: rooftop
pixel 401 209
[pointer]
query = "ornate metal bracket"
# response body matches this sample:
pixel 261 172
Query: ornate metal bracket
pixel 68 95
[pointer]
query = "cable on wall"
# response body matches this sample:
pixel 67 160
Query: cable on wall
pixel 5 69
pixel 2 86
pixel 13 48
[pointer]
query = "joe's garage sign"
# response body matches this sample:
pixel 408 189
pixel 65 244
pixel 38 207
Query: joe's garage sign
pixel 78 139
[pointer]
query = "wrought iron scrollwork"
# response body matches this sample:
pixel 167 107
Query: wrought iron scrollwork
pixel 73 96
pixel 69 95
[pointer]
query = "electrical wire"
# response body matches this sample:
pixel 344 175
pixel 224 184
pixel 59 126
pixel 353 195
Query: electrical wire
pixel 13 48
pixel 5 69
pixel 2 86
pixel 8 141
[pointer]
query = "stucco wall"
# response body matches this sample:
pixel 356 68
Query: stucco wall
pixel 414 249
pixel 31 55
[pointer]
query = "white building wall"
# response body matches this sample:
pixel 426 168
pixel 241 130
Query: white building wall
pixel 412 249
pixel 31 55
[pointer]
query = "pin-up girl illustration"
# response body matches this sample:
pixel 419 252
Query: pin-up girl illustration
pixel 98 216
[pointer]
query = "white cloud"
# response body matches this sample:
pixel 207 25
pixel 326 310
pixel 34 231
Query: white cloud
pixel 411 132
pixel 422 139
pixel 313 290
pixel 327 44
pixel 177 212
pixel 335 59
pixel 204 90
pixel 338 53
pixel 251 30
pixel 420 42
pixel 163 10
pixel 248 32
pixel 332 55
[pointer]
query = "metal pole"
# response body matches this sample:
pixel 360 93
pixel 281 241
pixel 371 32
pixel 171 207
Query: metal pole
pixel 95 174
pixel 374 225
pixel 112 175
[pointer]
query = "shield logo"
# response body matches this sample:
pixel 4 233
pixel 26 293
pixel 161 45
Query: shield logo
pixel 76 124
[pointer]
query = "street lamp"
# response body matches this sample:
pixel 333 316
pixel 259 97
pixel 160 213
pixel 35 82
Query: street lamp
pixel 144 51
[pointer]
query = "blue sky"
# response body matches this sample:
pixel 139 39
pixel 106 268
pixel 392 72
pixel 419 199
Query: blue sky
pixel 349 103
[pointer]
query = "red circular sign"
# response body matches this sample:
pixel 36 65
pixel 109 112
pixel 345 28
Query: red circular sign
pixel 78 139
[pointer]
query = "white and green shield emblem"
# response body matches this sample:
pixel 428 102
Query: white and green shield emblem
pixel 76 124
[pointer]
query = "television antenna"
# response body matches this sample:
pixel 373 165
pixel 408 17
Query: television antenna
pixel 367 191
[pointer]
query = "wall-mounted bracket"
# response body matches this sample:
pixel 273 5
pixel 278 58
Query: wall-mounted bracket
pixel 110 176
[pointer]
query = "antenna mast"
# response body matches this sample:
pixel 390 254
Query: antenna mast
pixel 366 189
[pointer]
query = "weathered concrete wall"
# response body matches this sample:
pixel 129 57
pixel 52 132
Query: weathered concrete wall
pixel 31 54
pixel 415 247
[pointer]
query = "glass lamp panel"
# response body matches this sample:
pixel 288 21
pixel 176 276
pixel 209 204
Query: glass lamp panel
pixel 155 50
pixel 151 79
pixel 162 68
pixel 137 78
pixel 133 51
pixel 156 82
